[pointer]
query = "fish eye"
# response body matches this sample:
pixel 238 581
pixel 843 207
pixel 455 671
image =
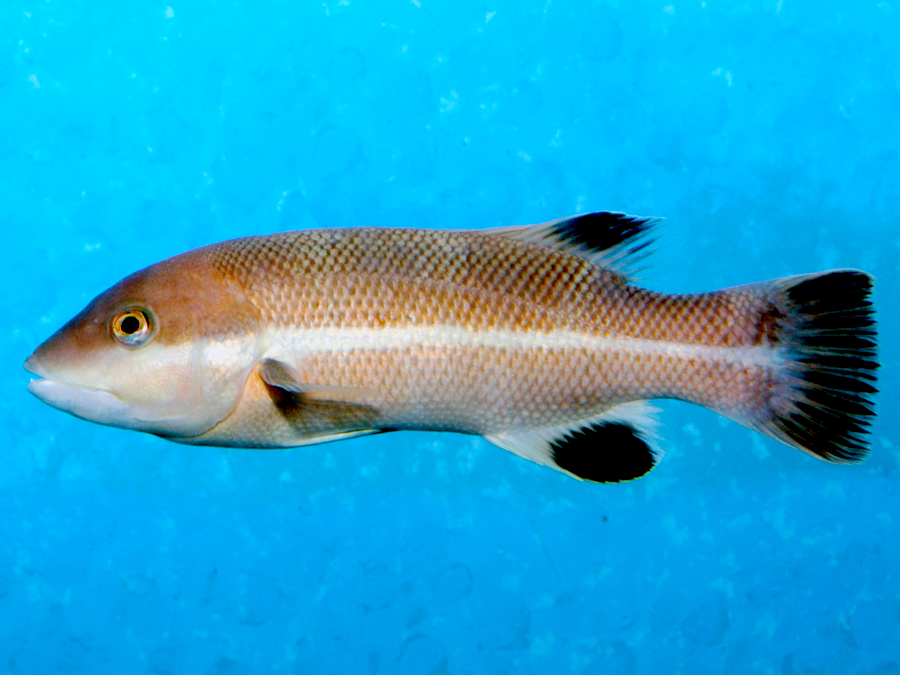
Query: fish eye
pixel 133 328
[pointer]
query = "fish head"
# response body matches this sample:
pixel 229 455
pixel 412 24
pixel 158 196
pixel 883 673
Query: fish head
pixel 166 350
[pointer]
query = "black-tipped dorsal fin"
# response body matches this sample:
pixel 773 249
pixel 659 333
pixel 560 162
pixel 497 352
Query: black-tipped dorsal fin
pixel 615 241
pixel 609 448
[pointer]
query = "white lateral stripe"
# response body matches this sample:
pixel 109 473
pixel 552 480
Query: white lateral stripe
pixel 299 342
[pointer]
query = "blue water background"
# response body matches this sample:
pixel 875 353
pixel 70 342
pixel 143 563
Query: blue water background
pixel 766 132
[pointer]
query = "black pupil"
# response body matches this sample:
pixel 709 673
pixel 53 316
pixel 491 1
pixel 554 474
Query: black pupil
pixel 130 325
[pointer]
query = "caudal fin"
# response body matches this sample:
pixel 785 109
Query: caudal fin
pixel 821 402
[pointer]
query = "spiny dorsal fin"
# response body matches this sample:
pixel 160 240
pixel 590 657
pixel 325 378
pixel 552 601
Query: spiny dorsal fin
pixel 609 448
pixel 615 241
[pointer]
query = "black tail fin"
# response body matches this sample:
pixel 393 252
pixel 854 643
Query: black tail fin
pixel 822 403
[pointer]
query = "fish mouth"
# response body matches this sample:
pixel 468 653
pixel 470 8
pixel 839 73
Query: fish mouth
pixel 89 403
pixel 96 405
pixel 92 405
pixel 34 367
pixel 44 380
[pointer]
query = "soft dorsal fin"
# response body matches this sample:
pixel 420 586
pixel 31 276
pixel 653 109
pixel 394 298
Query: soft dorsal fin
pixel 609 448
pixel 615 241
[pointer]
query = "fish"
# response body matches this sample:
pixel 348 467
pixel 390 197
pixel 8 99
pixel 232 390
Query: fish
pixel 536 338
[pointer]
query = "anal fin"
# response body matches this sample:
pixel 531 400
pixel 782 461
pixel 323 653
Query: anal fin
pixel 615 446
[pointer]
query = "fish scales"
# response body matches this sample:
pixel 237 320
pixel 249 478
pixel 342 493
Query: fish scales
pixel 376 277
pixel 532 337
pixel 468 287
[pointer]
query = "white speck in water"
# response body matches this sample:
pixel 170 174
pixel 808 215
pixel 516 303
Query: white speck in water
pixel 579 203
pixel 723 73
pixel 170 12
pixel 33 79
pixel 669 9
pixel 759 448
pixel 670 527
pixel 489 16
pixel 223 475
pixel 448 104
pixel 370 471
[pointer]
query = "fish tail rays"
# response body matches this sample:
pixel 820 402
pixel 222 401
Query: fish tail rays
pixel 821 396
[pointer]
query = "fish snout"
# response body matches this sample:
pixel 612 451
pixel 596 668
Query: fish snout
pixel 33 366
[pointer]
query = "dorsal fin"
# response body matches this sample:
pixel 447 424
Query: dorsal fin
pixel 615 446
pixel 615 241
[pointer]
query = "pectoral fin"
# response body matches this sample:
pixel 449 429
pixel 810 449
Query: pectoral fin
pixel 322 412
pixel 609 448
pixel 278 374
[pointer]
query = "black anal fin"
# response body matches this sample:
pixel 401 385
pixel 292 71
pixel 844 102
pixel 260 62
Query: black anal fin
pixel 607 452
pixel 610 448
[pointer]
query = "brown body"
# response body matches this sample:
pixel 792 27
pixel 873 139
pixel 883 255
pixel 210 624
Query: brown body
pixel 531 337
pixel 452 283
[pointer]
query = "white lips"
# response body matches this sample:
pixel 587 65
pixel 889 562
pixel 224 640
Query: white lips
pixel 89 404
pixel 71 398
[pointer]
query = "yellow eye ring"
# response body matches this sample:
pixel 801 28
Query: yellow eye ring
pixel 132 328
